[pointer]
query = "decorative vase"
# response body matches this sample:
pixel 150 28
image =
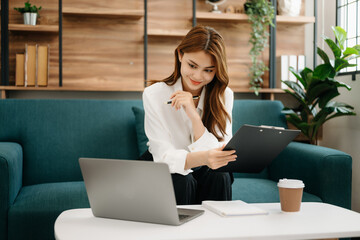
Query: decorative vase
pixel 27 17
pixel 215 4
pixel 289 7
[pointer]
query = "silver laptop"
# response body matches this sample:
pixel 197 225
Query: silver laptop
pixel 133 190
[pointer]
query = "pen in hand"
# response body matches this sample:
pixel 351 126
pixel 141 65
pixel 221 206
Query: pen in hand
pixel 194 98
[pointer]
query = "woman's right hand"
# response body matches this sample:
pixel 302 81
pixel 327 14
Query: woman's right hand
pixel 217 158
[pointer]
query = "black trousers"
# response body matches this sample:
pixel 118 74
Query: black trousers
pixel 202 184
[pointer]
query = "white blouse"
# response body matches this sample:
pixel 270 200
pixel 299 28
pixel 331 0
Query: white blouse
pixel 170 132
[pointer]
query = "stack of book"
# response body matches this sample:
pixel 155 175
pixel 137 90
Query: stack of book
pixel 32 67
pixel 283 63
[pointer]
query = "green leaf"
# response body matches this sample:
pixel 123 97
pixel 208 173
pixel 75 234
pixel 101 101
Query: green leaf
pixel 350 51
pixel 319 89
pixel 306 74
pixel 339 106
pixel 340 114
pixel 342 63
pixel 340 109
pixel 357 47
pixel 340 35
pixel 297 97
pixel 302 81
pixel 325 98
pixel 296 88
pixel 323 71
pixel 351 57
pixel 334 48
pixel 339 84
pixel 288 111
pixel 323 55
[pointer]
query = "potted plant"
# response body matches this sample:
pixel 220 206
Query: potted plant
pixel 29 12
pixel 316 88
pixel 261 14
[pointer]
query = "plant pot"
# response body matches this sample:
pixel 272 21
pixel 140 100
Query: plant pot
pixel 30 18
pixel 27 17
pixel 289 7
pixel 33 18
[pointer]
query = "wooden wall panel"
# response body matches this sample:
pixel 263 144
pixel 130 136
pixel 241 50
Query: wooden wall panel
pixel 103 52
pixel 290 39
pixel 236 36
pixel 17 39
pixel 166 15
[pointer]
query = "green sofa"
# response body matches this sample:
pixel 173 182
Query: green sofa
pixel 41 141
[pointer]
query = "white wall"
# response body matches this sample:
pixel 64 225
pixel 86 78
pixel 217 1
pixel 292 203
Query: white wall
pixel 342 133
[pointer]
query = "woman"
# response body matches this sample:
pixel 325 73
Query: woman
pixel 188 118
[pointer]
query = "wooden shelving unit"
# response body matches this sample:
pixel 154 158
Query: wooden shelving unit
pixel 36 28
pixel 105 12
pixel 166 33
pixel 104 42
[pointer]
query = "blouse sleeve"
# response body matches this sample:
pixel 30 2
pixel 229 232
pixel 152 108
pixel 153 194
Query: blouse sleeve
pixel 208 141
pixel 159 139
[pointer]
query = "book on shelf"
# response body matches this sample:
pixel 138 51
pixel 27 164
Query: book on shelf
pixel 42 65
pixel 293 64
pixel 301 63
pixel 282 71
pixel 30 65
pixel 233 208
pixel 283 63
pixel 20 69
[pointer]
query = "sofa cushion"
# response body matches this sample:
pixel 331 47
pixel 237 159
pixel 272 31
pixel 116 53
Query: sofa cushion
pixel 252 190
pixel 37 206
pixel 140 130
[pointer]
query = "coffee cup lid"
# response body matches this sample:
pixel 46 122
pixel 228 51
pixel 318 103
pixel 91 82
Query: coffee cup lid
pixel 290 183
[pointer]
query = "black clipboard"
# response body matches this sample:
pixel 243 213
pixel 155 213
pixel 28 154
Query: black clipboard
pixel 256 147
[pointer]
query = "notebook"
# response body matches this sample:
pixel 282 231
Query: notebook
pixel 233 208
pixel 133 190
pixel 256 147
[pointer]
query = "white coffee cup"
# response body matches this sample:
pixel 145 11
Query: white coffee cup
pixel 290 192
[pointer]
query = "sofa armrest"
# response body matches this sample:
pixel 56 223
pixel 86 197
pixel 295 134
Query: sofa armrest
pixel 11 164
pixel 327 173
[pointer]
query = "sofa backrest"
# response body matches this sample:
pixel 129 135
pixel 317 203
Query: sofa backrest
pixel 55 133
pixel 258 112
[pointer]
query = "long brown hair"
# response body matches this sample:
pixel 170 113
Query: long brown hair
pixel 203 38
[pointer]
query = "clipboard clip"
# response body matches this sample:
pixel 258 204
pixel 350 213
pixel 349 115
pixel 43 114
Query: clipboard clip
pixel 272 127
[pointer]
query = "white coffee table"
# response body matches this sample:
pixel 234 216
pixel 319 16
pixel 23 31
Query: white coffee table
pixel 314 221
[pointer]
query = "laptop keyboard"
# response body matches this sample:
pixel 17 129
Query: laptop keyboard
pixel 183 216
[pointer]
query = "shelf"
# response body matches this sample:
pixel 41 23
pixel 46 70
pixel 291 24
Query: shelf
pixel 222 16
pixel 36 28
pixel 105 12
pixel 240 17
pixel 166 33
pixel 294 20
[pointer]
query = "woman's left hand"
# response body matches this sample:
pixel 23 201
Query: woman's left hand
pixel 185 100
